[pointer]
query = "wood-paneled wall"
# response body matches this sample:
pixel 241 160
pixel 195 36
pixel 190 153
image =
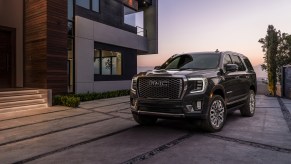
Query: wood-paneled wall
pixel 45 41
pixel 131 3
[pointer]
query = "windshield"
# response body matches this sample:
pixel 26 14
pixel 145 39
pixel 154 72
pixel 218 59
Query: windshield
pixel 193 61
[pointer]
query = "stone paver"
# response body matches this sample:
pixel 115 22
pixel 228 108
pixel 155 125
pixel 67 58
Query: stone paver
pixel 201 149
pixel 288 106
pixel 41 145
pixel 19 114
pixel 113 108
pixel 41 118
pixel 117 148
pixel 267 102
pixel 103 131
pixel 104 102
pixel 286 101
pixel 48 127
pixel 267 126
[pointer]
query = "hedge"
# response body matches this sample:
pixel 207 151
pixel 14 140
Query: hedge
pixel 73 100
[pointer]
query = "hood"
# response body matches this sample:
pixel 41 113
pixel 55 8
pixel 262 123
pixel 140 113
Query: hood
pixel 187 73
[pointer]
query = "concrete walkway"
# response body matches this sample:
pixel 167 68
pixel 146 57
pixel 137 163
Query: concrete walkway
pixel 103 131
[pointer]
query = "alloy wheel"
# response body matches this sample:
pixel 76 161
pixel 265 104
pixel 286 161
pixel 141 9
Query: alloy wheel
pixel 217 114
pixel 252 103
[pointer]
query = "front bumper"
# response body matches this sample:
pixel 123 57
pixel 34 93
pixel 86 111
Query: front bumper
pixel 166 108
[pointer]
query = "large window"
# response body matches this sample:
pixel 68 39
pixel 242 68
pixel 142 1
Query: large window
pixel 70 10
pixel 107 62
pixel 83 3
pixel 89 4
pixel 95 5
pixel 70 46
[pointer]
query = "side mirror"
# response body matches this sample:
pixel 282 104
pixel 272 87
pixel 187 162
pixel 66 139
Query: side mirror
pixel 157 67
pixel 231 67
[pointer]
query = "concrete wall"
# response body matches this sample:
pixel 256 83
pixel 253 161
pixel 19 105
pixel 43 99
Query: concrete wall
pixel 11 15
pixel 151 25
pixel 86 33
pixel 287 82
pixel 102 33
pixel 111 13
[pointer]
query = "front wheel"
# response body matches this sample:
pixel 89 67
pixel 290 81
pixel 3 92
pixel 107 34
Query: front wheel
pixel 216 115
pixel 248 110
pixel 144 120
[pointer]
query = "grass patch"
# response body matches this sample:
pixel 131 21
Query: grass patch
pixel 73 100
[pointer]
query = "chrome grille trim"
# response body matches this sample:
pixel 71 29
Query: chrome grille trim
pixel 175 90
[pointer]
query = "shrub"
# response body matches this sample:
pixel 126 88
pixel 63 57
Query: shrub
pixel 57 100
pixel 95 96
pixel 73 100
pixel 70 101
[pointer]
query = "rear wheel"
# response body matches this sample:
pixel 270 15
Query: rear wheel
pixel 144 120
pixel 216 115
pixel 248 110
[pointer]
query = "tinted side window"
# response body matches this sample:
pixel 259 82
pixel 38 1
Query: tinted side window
pixel 248 64
pixel 236 60
pixel 227 60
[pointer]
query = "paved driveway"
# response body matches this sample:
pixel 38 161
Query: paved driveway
pixel 103 131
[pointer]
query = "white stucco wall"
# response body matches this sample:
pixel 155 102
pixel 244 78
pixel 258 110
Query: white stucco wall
pixel 11 15
pixel 86 33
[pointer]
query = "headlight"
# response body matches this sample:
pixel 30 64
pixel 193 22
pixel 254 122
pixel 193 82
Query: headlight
pixel 199 84
pixel 134 83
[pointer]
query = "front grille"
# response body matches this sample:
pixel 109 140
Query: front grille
pixel 160 87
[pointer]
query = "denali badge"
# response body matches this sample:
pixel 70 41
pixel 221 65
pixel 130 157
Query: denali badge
pixel 159 83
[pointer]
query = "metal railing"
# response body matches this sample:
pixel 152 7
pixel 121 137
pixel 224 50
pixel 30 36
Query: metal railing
pixel 141 31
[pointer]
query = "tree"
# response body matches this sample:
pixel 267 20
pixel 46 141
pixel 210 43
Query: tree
pixel 277 48
pixel 270 47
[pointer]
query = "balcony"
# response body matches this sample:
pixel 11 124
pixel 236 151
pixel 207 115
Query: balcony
pixel 135 19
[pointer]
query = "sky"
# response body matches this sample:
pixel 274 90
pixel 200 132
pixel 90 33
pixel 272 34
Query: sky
pixel 226 25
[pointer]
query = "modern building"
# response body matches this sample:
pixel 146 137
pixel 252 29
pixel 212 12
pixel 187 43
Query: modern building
pixel 74 46
pixel 286 82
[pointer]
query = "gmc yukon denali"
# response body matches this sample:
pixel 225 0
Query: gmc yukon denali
pixel 204 86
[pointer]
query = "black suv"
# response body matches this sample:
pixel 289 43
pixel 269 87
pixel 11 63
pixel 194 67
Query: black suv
pixel 204 85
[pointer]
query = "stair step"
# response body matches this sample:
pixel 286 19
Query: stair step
pixel 21 108
pixel 24 99
pixel 22 103
pixel 18 93
pixel 21 98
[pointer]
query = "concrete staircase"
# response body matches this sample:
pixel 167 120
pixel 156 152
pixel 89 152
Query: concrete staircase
pixel 24 99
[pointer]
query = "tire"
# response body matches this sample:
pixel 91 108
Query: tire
pixel 144 120
pixel 216 115
pixel 248 110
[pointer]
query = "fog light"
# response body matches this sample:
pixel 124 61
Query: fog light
pixel 189 109
pixel 134 103
pixel 199 105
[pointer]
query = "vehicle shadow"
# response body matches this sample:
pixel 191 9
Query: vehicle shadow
pixel 194 125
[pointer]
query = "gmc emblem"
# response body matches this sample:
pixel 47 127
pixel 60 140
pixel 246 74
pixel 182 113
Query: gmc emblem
pixel 159 83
